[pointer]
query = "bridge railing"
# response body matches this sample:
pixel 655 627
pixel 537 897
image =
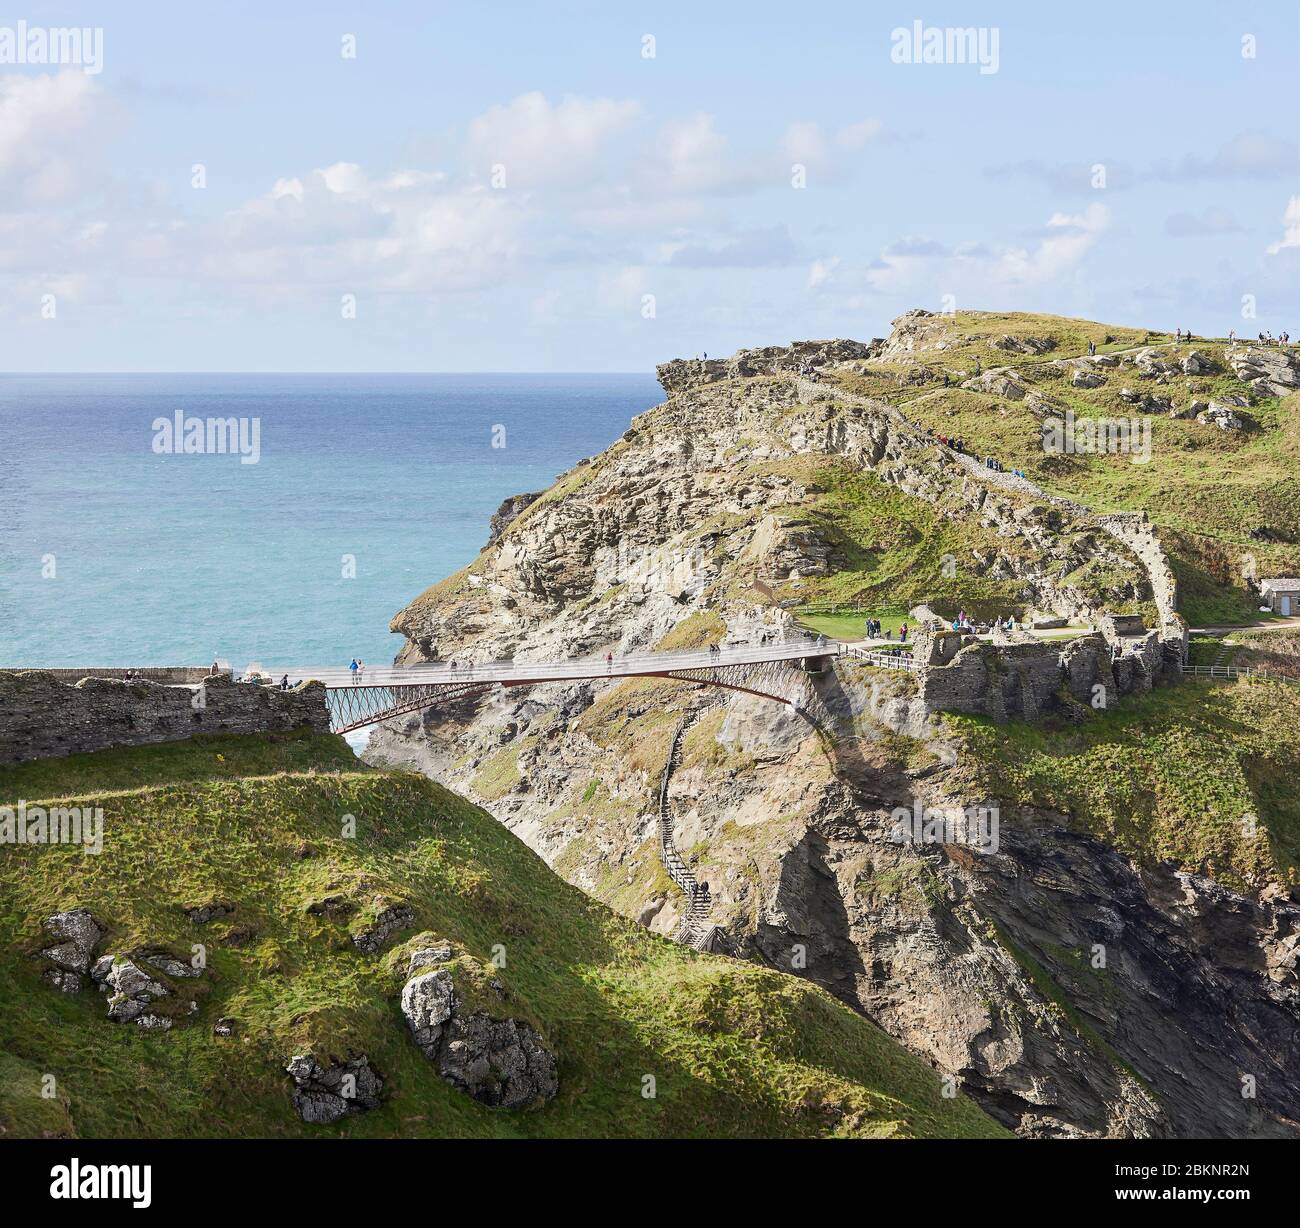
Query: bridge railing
pixel 579 668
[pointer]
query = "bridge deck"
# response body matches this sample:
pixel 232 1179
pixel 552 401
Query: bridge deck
pixel 515 672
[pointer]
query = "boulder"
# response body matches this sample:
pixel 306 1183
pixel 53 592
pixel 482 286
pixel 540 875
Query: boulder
pixel 79 934
pixel 999 382
pixel 324 1094
pixel 1196 364
pixel 498 1062
pixel 1222 416
pixel 1023 345
pixel 427 1004
pixel 132 991
pixel 1087 379
pixel 171 965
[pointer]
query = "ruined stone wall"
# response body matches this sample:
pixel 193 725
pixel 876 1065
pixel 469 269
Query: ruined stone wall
pixel 42 717
pixel 1029 680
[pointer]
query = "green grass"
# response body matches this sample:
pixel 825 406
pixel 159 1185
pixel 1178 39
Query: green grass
pixel 1169 776
pixel 1205 488
pixel 734 1049
pixel 892 551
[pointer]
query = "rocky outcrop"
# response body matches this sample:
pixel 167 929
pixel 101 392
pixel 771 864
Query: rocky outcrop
pixel 683 374
pixel 499 1062
pixel 1222 416
pixel 78 934
pixel 509 509
pixel 1272 371
pixel 327 1093
pixel 427 1004
pixel 132 993
pixel 42 717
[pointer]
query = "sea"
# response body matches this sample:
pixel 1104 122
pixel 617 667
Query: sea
pixel 123 543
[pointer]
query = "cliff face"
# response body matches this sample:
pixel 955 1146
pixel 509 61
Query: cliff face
pixel 750 491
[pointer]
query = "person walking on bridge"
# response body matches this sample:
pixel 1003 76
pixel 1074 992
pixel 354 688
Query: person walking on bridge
pixel 353 668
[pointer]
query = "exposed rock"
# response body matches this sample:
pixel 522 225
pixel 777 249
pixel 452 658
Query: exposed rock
pixel 499 1062
pixel 132 991
pixel 1024 345
pixel 1197 364
pixel 1087 379
pixel 390 919
pixel 1222 416
pixel 999 382
pixel 201 914
pixel 79 934
pixel 1271 370
pixel 324 1094
pixel 171 965
pixel 428 957
pixel 509 509
pixel 225 1026
pixel 427 1003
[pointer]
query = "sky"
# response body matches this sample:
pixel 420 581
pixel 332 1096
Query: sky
pixel 432 186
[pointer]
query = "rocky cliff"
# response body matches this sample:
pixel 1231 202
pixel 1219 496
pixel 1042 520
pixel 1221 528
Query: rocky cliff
pixel 761 486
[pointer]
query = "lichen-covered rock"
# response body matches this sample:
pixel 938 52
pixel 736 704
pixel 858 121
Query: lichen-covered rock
pixel 79 934
pixel 428 957
pixel 390 919
pixel 1270 370
pixel 324 1094
pixel 132 991
pixel 171 965
pixel 499 1062
pixel 428 1002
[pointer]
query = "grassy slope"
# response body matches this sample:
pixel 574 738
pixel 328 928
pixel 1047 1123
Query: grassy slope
pixel 735 1049
pixel 1206 488
pixel 1169 776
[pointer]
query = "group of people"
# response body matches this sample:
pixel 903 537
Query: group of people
pixel 358 667
pixel 875 631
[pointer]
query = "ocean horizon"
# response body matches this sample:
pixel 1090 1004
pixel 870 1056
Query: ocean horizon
pixel 341 497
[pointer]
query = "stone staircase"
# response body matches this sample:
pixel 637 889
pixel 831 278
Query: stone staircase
pixel 695 930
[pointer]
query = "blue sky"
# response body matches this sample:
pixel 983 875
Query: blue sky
pixel 512 186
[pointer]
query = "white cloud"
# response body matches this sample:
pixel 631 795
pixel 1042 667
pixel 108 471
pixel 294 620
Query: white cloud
pixel 924 269
pixel 540 143
pixel 52 128
pixel 1291 227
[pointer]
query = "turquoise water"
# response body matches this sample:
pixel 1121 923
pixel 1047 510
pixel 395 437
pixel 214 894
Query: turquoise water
pixel 173 559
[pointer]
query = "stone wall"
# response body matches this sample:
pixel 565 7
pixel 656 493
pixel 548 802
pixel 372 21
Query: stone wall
pixel 1023 681
pixel 42 717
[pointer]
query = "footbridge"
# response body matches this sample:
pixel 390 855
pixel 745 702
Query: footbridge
pixel 362 697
